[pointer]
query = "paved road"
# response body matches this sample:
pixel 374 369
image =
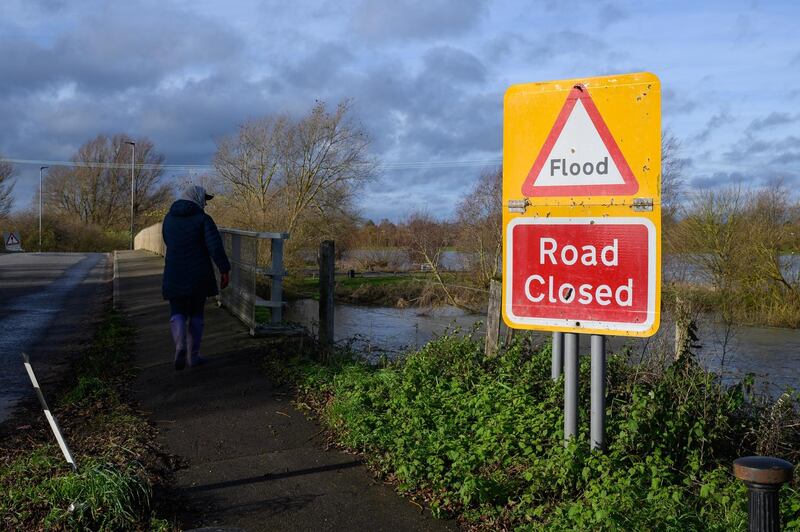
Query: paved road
pixel 48 305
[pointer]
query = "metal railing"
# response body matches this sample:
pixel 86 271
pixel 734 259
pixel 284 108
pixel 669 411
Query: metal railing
pixel 246 254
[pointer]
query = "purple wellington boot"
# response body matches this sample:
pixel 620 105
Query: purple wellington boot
pixel 177 324
pixel 194 339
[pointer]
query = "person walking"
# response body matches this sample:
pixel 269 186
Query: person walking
pixel 192 241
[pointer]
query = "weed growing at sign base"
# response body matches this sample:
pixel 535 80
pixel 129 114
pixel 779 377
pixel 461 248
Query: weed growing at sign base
pixel 481 439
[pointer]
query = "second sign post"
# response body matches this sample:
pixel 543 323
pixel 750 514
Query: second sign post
pixel 582 219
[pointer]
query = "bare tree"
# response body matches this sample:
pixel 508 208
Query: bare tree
pixel 738 238
pixel 480 220
pixel 249 166
pixel 672 166
pixel 299 176
pixel 768 232
pixel 6 188
pixel 325 159
pixel 426 240
pixel 97 189
pixel 712 231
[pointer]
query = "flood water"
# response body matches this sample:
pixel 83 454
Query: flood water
pixel 771 354
pixel 686 268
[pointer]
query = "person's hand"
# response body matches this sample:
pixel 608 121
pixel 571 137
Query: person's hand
pixel 224 279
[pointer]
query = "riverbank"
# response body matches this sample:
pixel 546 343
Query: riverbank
pixel 481 439
pixel 423 290
pixel 393 290
pixel 739 307
pixel 120 465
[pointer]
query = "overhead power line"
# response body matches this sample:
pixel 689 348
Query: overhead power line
pixel 411 165
pixel 109 165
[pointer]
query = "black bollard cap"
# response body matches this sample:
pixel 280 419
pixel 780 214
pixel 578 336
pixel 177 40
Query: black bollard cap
pixel 762 470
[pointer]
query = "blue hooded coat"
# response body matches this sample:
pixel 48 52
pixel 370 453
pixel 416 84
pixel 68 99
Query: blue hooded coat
pixel 192 240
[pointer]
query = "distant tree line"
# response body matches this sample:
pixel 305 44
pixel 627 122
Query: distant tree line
pixel 276 173
pixel 86 206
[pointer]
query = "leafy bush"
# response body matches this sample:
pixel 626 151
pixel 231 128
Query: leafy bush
pixel 482 439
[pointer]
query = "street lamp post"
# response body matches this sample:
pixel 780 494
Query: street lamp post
pixel 41 169
pixel 133 159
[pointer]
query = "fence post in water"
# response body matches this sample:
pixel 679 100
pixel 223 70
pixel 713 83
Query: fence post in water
pixel 571 346
pixel 326 287
pixel 557 355
pixel 493 319
pixel 763 477
pixel 598 392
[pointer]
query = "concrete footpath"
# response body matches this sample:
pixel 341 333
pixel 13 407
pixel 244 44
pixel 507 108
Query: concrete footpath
pixel 253 462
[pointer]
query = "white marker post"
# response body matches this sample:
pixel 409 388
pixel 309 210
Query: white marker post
pixel 48 415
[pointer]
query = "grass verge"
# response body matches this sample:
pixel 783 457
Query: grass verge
pixel 119 463
pixel 481 439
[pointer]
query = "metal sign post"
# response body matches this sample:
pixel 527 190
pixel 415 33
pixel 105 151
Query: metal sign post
pixel 571 368
pixel 598 397
pixel 557 355
pixel 582 219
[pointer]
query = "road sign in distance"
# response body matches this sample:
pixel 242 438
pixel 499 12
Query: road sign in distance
pixel 12 241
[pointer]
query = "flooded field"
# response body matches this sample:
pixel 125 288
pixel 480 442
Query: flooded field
pixel 771 354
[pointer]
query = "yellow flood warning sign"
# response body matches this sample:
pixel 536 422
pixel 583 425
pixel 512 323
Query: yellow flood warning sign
pixel 582 205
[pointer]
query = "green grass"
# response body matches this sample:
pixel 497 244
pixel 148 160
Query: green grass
pixel 113 446
pixel 101 496
pixel 263 314
pixel 482 439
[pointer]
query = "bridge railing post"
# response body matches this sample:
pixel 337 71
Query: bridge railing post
pixel 245 253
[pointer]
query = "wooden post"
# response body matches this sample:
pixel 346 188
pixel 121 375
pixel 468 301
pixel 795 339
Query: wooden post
pixel 508 337
pixel 685 329
pixel 493 319
pixel 326 286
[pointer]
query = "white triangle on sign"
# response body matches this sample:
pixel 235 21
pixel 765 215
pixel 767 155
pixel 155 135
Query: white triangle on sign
pixel 12 240
pixel 579 156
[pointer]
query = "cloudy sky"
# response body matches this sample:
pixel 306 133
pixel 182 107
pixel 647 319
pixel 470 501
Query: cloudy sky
pixel 427 78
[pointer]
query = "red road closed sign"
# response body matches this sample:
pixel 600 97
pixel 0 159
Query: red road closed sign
pixel 595 273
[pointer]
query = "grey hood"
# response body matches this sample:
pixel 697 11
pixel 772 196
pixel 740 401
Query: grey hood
pixel 196 194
